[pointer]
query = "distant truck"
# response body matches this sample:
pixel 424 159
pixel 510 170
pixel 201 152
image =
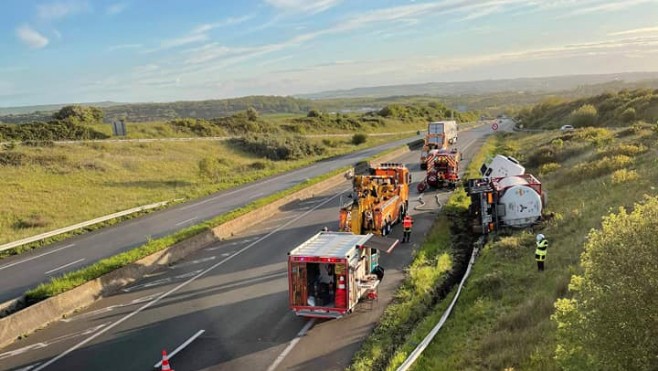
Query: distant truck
pixel 501 166
pixel 330 272
pixel 440 134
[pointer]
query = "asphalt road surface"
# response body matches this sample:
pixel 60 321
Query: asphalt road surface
pixel 226 307
pixel 23 272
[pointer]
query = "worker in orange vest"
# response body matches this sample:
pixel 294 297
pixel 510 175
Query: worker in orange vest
pixel 407 223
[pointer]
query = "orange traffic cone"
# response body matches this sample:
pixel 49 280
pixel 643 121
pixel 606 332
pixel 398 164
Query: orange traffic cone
pixel 165 361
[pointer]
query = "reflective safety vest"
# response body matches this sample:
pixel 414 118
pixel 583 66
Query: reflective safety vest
pixel 540 252
pixel 407 222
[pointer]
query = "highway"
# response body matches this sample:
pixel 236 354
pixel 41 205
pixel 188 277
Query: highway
pixel 226 306
pixel 22 272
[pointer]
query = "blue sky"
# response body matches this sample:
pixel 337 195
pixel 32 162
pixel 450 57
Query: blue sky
pixel 63 51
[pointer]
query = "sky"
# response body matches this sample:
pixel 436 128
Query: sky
pixel 75 51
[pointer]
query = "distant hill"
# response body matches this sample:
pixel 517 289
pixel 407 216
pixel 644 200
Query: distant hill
pixel 48 108
pixel 526 85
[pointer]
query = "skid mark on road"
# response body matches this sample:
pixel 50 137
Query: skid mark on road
pixel 112 307
pixel 162 281
pixel 193 262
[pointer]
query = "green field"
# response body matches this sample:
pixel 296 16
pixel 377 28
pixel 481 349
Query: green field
pixel 66 184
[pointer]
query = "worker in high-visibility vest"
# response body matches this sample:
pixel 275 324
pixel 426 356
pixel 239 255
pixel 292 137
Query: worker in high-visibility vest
pixel 407 223
pixel 540 252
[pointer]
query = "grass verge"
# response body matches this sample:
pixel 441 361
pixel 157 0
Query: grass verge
pixel 502 320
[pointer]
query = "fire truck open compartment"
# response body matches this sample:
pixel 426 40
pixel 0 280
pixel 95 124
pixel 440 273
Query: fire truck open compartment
pixel 329 273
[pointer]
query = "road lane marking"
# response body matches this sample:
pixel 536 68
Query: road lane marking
pixel 186 221
pixel 28 368
pixel 173 290
pixel 64 266
pixel 181 347
pixel 44 344
pixel 193 262
pixel 196 204
pixel 291 345
pixel 36 257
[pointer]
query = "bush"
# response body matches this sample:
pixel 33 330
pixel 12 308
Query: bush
pixel 32 221
pixel 628 115
pixel 611 323
pixel 197 127
pixel 359 139
pixel 586 115
pixel 252 114
pixel 11 158
pixel 277 148
pixel 598 168
pixel 549 168
pixel 79 114
pixel 624 175
pixel 314 113
pixel 49 131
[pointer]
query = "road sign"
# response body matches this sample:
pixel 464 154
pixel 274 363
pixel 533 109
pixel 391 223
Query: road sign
pixel 494 126
pixel 119 128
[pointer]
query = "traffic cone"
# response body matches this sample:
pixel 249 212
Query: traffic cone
pixel 341 293
pixel 165 361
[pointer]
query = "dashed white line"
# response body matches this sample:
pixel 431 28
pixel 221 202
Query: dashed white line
pixel 64 266
pixel 292 344
pixel 181 347
pixel 186 221
pixel 173 290
pixel 36 257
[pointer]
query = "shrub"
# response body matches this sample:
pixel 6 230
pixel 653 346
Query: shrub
pixel 32 221
pixel 277 148
pixel 584 116
pixel 611 319
pixel 624 175
pixel 630 150
pixel 252 114
pixel 79 114
pixel 359 138
pixel 628 115
pixel 11 158
pixel 598 168
pixel 198 127
pixel 548 168
pixel 314 113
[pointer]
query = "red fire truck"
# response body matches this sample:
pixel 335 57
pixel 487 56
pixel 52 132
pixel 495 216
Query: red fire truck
pixel 330 272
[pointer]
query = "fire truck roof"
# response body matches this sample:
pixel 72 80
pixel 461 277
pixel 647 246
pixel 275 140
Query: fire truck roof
pixel 339 244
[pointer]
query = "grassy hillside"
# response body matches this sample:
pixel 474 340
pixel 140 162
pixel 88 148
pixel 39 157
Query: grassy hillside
pixel 609 109
pixel 503 318
pixel 49 186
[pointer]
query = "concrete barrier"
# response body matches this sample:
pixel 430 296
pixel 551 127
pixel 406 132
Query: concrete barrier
pixel 41 314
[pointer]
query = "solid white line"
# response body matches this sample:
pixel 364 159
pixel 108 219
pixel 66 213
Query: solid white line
pixel 290 346
pixel 186 343
pixel 173 290
pixel 186 221
pixel 64 266
pixel 36 257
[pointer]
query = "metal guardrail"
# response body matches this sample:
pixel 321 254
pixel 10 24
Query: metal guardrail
pixel 56 232
pixel 428 339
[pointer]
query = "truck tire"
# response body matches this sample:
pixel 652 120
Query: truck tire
pixel 379 272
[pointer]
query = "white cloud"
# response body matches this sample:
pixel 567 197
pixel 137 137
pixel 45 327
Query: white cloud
pixel 61 9
pixel 223 23
pixel 635 31
pixel 31 37
pixel 116 8
pixel 303 6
